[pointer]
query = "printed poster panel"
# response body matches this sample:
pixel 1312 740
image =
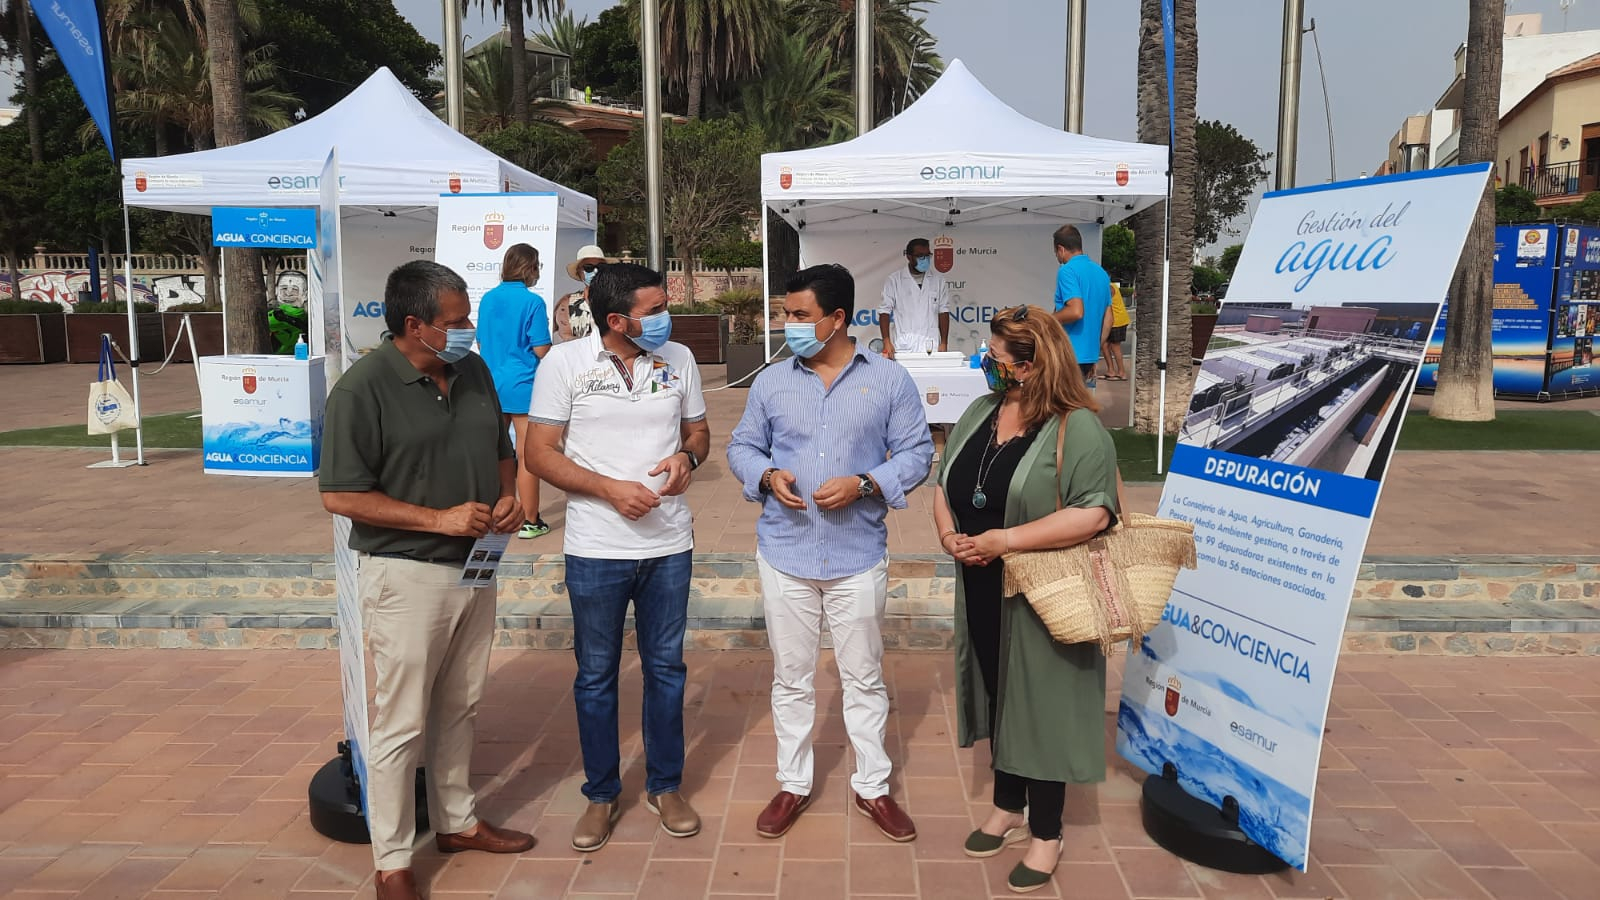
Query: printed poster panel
pixel 475 230
pixel 374 246
pixel 1278 465
pixel 1525 265
pixel 988 268
pixel 1577 313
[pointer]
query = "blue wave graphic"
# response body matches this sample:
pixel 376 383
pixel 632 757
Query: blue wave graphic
pixel 1271 813
pixel 286 445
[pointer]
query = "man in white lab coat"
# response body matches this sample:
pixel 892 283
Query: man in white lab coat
pixel 918 298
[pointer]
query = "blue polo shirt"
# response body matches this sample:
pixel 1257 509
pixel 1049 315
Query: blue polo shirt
pixel 1082 277
pixel 511 323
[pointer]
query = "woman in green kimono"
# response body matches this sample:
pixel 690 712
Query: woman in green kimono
pixel 1040 703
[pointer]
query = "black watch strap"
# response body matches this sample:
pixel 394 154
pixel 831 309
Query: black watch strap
pixel 694 461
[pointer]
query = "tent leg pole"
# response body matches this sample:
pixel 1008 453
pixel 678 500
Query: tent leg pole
pixel 133 332
pixel 766 291
pixel 1161 353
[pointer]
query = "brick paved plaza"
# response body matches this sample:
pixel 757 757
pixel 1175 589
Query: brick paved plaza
pixel 182 774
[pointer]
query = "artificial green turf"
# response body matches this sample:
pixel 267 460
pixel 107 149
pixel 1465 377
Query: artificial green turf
pixel 172 431
pixel 1541 429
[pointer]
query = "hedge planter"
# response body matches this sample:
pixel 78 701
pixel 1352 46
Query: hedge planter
pixel 40 338
pixel 1200 327
pixel 706 335
pixel 207 334
pixel 746 359
pixel 84 330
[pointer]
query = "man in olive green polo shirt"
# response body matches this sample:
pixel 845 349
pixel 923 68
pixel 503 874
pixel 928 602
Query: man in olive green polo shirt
pixel 414 453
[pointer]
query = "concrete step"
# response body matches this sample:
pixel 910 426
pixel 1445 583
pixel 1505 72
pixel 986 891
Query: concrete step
pixel 1467 605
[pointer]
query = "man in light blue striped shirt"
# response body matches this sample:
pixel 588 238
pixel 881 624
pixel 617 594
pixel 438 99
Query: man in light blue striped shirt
pixel 829 441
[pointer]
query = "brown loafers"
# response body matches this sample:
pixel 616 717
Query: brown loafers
pixel 889 817
pixel 781 813
pixel 398 884
pixel 487 838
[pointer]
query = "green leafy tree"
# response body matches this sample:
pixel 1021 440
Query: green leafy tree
pixel 1230 259
pixel 799 101
pixel 1206 279
pixel 1117 254
pixel 710 183
pixel 324 48
pixel 543 148
pixel 22 214
pixel 608 56
pixel 1585 210
pixel 1229 167
pixel 904 60
pixel 712 42
pixel 1515 203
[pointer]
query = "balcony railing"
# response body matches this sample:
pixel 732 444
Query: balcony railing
pixel 1563 179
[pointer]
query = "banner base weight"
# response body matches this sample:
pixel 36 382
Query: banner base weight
pixel 335 800
pixel 1193 829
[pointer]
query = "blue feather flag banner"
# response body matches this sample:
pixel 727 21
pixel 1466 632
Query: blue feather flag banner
pixel 1167 41
pixel 76 33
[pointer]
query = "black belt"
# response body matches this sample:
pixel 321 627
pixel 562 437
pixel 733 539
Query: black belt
pixel 440 561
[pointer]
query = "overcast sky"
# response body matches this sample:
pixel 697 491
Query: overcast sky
pixel 1385 60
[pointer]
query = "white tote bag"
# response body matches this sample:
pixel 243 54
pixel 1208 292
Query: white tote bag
pixel 110 407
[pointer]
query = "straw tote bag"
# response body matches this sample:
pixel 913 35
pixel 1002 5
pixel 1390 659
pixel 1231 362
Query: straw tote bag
pixel 1109 589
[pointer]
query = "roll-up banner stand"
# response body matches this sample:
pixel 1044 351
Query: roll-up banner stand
pixel 1278 464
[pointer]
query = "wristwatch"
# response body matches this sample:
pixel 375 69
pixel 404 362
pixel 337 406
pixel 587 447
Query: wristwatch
pixel 865 485
pixel 694 461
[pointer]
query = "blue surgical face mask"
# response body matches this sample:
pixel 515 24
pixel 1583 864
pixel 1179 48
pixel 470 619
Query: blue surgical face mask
pixel 921 263
pixel 588 277
pixel 457 343
pixel 654 331
pixel 802 338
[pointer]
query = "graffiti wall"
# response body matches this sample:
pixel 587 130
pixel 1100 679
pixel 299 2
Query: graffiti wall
pixel 62 287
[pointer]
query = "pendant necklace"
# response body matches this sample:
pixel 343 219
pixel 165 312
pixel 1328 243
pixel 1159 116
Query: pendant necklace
pixel 985 463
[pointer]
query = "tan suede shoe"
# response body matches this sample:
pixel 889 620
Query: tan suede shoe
pixel 678 818
pixel 594 826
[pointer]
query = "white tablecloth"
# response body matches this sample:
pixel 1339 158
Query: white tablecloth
pixel 947 391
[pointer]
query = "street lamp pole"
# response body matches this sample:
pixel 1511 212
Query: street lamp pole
pixel 651 49
pixel 863 66
pixel 1073 119
pixel 453 105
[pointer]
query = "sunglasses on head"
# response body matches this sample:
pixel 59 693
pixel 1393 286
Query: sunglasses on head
pixel 1020 314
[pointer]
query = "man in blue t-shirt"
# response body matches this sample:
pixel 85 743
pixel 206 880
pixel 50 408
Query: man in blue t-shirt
pixel 1083 299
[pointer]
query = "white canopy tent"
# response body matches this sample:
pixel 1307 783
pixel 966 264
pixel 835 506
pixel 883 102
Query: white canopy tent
pixel 395 160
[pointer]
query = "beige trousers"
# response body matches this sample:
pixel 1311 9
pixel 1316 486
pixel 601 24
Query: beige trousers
pixel 428 646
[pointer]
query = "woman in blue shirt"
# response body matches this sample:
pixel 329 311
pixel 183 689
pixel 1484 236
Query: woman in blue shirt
pixel 513 335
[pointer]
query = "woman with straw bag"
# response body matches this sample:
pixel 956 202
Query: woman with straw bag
pixel 1040 703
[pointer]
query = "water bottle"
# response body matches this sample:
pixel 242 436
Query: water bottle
pixel 301 351
pixel 976 361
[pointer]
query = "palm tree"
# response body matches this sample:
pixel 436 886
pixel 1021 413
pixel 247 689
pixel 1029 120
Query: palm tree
pixel 489 91
pixel 565 34
pixel 1465 392
pixel 1148 225
pixel 904 62
pixel 247 327
pixel 516 29
pixel 800 100
pixel 712 42
pixel 17 21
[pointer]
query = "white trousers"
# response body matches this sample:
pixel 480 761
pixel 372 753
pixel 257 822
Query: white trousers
pixel 428 641
pixel 853 605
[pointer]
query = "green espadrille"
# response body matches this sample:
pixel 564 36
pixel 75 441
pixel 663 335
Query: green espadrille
pixel 981 844
pixel 1024 880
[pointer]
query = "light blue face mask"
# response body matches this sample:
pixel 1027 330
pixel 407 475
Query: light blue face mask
pixel 922 263
pixel 588 277
pixel 654 331
pixel 802 339
pixel 457 343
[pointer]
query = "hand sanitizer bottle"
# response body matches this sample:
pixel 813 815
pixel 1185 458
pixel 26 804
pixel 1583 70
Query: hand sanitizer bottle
pixel 301 351
pixel 976 361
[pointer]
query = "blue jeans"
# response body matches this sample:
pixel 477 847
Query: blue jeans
pixel 600 590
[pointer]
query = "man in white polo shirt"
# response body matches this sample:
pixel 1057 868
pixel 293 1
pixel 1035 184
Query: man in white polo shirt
pixel 619 423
